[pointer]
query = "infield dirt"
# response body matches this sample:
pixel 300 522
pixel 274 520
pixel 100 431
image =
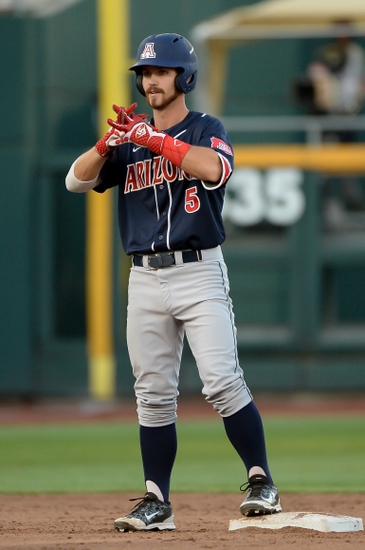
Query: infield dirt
pixel 85 521
pixel 75 522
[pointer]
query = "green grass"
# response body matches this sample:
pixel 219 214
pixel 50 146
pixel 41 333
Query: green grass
pixel 306 455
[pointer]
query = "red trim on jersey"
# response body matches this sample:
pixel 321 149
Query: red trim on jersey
pixel 226 169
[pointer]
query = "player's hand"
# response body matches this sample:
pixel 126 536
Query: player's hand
pixel 126 118
pixel 106 145
pixel 113 138
pixel 145 135
pixel 124 115
pixel 138 131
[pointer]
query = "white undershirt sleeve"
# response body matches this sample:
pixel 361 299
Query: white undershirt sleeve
pixel 75 185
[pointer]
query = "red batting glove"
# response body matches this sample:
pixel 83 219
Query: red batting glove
pixel 145 135
pixel 136 129
pixel 125 115
pixel 106 145
pixel 112 139
pixel 126 119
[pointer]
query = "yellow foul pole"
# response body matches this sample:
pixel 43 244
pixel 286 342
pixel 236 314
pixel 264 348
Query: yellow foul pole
pixel 113 87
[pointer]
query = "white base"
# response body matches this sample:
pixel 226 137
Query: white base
pixel 306 520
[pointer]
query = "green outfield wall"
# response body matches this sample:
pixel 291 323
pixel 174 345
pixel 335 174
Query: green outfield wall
pixel 295 251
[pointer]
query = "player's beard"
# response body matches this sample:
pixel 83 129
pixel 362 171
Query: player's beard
pixel 162 101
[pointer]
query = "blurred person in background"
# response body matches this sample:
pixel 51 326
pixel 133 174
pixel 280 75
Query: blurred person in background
pixel 338 77
pixel 334 84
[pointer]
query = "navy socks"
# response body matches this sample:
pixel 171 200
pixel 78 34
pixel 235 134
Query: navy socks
pixel 246 433
pixel 159 446
pixel 158 449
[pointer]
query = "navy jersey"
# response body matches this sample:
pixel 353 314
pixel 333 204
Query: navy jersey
pixel 161 207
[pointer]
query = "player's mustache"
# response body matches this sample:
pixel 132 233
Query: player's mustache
pixel 154 89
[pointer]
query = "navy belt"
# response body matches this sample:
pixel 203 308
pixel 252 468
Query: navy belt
pixel 166 259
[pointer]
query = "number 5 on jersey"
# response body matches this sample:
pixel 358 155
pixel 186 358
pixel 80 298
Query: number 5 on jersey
pixel 192 202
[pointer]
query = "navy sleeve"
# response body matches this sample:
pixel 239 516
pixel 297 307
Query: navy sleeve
pixel 109 174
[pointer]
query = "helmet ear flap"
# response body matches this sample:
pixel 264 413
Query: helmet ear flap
pixel 139 84
pixel 185 81
pixel 178 80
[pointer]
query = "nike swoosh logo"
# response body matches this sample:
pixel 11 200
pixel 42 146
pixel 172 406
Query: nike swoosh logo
pixel 150 516
pixel 136 149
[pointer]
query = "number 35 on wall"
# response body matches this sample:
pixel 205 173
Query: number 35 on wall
pixel 253 196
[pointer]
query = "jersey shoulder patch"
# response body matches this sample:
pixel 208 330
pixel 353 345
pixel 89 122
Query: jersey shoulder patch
pixel 217 143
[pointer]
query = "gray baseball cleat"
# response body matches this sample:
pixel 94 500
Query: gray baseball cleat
pixel 262 497
pixel 149 514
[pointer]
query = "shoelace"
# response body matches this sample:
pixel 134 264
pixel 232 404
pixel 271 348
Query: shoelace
pixel 142 500
pixel 256 487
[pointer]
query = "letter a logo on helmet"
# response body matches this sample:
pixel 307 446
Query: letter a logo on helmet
pixel 149 51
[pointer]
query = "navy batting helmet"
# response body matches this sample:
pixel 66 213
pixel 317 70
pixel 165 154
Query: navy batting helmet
pixel 168 50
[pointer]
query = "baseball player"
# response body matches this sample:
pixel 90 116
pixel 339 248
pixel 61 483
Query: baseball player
pixel 171 175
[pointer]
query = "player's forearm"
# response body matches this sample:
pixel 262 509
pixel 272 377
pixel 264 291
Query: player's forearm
pixel 83 174
pixel 89 164
pixel 203 163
